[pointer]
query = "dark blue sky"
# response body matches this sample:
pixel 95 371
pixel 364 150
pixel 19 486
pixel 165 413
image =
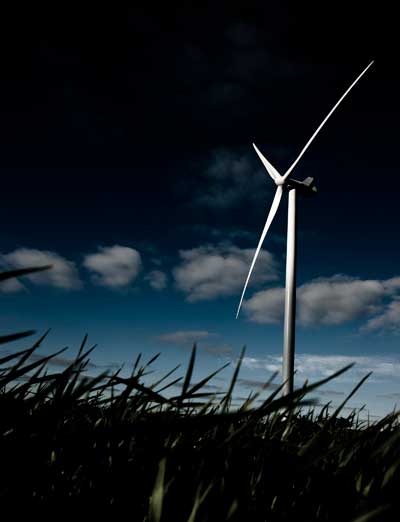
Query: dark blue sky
pixel 126 161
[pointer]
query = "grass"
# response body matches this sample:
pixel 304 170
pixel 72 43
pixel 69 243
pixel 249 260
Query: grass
pixel 117 445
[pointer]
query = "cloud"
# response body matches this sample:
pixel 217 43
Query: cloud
pixel 211 387
pixel 220 233
pixel 60 361
pixel 394 395
pixel 392 285
pixel 209 272
pixel 156 261
pixel 330 301
pixel 329 392
pixel 184 337
pixel 266 306
pixel 388 320
pixel 157 279
pixel 113 267
pixel 214 387
pixel 254 383
pixel 218 350
pixel 63 362
pixel 230 178
pixel 338 299
pixel 63 274
pixel 315 366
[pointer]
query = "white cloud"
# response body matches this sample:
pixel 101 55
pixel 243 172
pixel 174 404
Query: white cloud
pixel 184 337
pixel 336 300
pixel 389 319
pixel 333 300
pixel 266 306
pixel 315 366
pixel 63 274
pixel 113 267
pixel 208 272
pixel 157 279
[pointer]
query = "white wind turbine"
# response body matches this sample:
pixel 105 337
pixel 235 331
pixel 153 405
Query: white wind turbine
pixel 290 185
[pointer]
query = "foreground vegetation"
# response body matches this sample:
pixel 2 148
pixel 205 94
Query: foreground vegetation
pixel 114 444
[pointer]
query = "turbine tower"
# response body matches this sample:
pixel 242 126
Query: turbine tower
pixel 291 186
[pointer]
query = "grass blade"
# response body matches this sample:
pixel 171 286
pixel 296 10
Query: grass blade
pixel 157 496
pixel 225 400
pixel 22 271
pixel 189 371
pixel 16 336
pixel 201 383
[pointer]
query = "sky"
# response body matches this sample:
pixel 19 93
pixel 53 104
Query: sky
pixel 127 163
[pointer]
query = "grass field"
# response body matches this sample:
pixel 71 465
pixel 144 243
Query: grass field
pixel 117 445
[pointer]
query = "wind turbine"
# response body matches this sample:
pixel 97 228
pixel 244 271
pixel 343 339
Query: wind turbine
pixel 290 185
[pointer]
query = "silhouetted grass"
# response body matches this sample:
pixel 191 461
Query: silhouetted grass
pixel 114 444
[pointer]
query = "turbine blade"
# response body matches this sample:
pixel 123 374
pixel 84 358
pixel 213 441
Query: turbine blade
pixel 323 123
pixel 271 215
pixel 270 168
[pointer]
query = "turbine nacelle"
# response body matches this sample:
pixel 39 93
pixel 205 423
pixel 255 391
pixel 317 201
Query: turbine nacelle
pixel 305 187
